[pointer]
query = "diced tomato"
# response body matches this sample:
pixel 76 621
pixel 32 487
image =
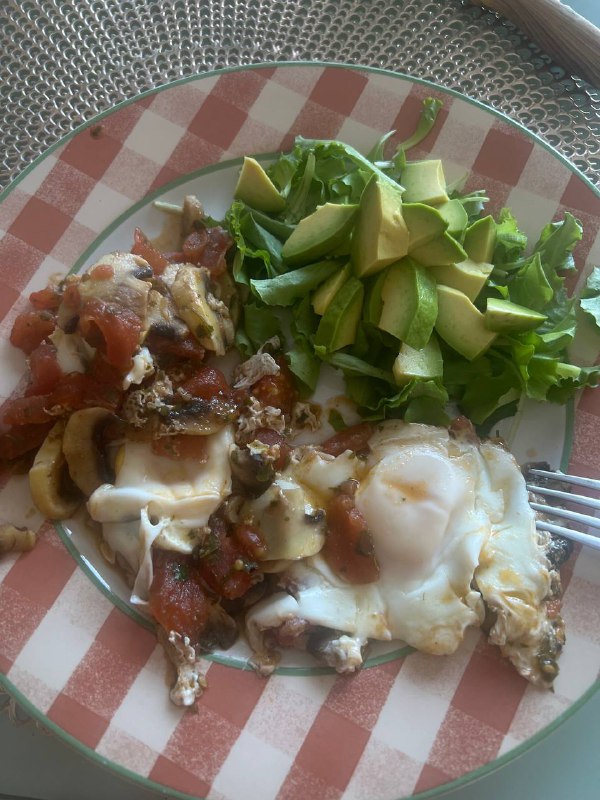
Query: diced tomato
pixel 182 446
pixel 21 439
pixel 113 328
pixel 27 410
pixel 102 272
pixel 270 437
pixel 214 252
pixel 278 390
pixel 47 299
pixel 45 371
pixel 194 244
pixel 177 600
pixel 69 394
pixel 72 297
pixel 207 383
pixel 31 328
pixel 348 547
pixel 174 352
pixel 250 539
pixel 144 248
pixel 355 438
pixel 226 569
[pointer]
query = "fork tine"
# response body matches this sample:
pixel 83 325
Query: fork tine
pixel 579 499
pixel 568 533
pixel 564 513
pixel 574 480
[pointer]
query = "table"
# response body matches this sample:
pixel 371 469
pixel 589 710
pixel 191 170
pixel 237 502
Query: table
pixel 36 764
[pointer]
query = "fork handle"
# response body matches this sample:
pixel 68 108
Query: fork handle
pixel 571 40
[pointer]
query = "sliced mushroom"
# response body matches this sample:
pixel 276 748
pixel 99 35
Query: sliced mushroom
pixel 15 540
pixel 192 213
pixel 288 523
pixel 51 489
pixel 85 459
pixel 129 285
pixel 207 317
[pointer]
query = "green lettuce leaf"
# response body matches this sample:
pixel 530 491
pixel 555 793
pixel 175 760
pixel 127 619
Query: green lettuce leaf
pixel 258 324
pixel 510 241
pixel 590 297
pixel 304 365
pixel 258 251
pixel 284 290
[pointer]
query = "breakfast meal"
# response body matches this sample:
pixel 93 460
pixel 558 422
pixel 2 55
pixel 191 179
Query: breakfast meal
pixel 171 403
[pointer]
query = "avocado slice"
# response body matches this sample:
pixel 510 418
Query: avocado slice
pixel 409 303
pixel 424 182
pixel 455 215
pixel 380 236
pixel 327 290
pixel 439 252
pixel 480 239
pixel 461 324
pixel 339 323
pixel 319 233
pixel 424 223
pixel 467 276
pixel 256 189
pixel 374 298
pixel 502 315
pixel 424 364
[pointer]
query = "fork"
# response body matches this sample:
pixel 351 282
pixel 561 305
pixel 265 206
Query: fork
pixel 564 513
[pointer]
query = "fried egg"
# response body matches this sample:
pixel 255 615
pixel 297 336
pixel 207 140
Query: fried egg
pixel 452 530
pixel 157 501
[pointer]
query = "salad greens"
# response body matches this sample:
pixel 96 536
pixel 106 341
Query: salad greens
pixel 531 363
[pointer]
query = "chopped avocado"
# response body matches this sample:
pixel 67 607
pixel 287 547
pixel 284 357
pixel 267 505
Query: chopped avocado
pixel 460 324
pixel 409 303
pixel 439 252
pixel 380 236
pixel 374 298
pixel 455 215
pixel 207 318
pixel 256 189
pixel 318 234
pixel 467 276
pixel 424 364
pixel 480 239
pixel 338 324
pixel 424 223
pixel 502 315
pixel 424 182
pixel 326 291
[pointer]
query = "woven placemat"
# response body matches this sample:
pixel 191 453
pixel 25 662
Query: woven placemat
pixel 63 62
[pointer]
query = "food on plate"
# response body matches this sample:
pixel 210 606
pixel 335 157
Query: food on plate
pixel 168 385
pixel 445 540
pixel 16 540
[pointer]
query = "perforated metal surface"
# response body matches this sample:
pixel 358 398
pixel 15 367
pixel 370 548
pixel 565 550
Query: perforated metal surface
pixel 65 60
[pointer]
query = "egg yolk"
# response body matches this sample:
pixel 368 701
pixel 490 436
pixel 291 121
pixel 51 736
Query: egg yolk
pixel 408 501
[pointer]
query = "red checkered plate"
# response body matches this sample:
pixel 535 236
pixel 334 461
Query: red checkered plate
pixel 406 725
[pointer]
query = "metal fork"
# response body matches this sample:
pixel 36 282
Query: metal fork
pixel 564 513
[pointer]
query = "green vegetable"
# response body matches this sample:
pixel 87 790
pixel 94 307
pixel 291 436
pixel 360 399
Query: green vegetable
pixel 431 109
pixel 517 363
pixel 336 420
pixel 284 289
pixel 590 297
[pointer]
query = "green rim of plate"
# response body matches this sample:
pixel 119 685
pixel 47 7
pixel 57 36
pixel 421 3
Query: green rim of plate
pixel 86 751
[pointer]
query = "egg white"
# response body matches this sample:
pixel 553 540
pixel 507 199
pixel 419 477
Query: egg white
pixel 160 501
pixel 447 518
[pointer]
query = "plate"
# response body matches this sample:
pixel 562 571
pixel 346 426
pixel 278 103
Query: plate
pixel 71 649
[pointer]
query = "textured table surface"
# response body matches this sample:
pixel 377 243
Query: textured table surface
pixel 62 62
